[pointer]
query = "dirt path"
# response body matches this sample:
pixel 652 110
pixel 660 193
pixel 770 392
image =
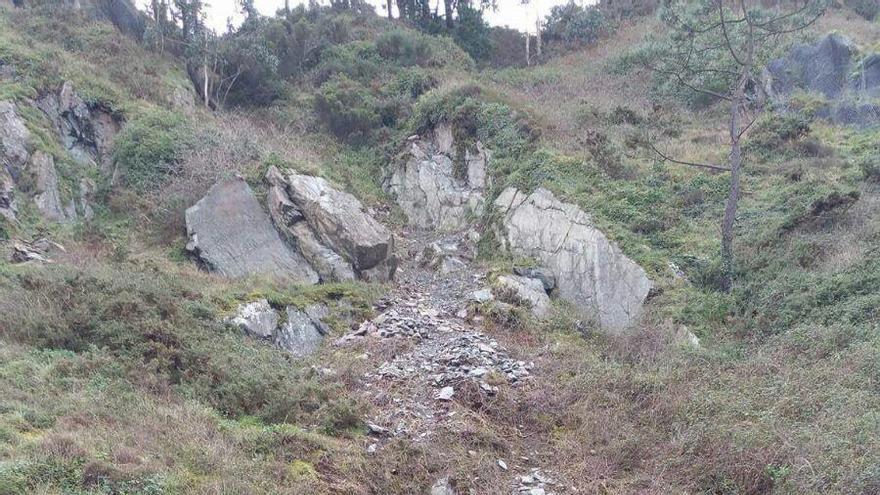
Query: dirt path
pixel 429 348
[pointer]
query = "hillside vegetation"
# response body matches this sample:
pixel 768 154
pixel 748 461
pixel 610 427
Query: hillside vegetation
pixel 118 374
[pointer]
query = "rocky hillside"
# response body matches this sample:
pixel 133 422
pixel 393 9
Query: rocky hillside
pixel 386 261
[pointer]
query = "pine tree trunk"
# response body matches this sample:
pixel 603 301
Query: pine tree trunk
pixel 728 223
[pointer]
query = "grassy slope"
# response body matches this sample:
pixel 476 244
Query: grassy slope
pixel 116 374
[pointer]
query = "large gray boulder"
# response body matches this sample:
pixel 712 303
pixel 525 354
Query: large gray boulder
pixel 438 185
pixel 331 228
pixel 231 234
pixel 591 271
pixel 87 132
pixel 830 67
pixel 821 67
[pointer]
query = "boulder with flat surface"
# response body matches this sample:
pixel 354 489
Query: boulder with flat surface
pixel 331 228
pixel 232 235
pixel 591 272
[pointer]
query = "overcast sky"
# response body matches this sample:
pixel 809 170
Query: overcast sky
pixel 510 12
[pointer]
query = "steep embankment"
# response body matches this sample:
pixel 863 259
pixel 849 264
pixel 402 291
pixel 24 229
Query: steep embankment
pixel 123 367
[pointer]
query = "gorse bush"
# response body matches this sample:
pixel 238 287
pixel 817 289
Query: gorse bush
pixel 349 110
pixel 405 47
pixel 150 147
pixel 415 82
pixel 775 135
pixel 358 60
pixel 472 33
pixel 573 24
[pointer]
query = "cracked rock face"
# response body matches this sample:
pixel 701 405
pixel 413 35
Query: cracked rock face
pixel 231 234
pixel 18 161
pixel 438 186
pixel 14 139
pixel 591 271
pixel 330 228
pixel 86 132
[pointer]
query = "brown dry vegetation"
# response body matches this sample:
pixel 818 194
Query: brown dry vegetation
pixel 117 375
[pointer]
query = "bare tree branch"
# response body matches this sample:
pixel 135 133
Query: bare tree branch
pixel 690 164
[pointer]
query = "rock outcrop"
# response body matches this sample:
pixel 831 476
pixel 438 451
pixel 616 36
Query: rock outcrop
pixel 590 271
pixel 257 319
pixel 40 173
pixel 8 208
pixel 301 333
pixel 231 234
pixel 14 154
pixel 14 140
pixel 440 185
pixel 87 132
pixel 48 197
pixel 832 68
pixel 330 228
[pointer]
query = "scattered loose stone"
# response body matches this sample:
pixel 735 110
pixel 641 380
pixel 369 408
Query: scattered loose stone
pixel 445 393
pixel 524 291
pixel 482 296
pixel 442 487
pixel 535 483
pixel 376 429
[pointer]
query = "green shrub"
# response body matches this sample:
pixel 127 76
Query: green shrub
pixel 144 320
pixel 865 151
pixel 248 57
pixel 572 23
pixel 777 134
pixel 624 115
pixel 150 147
pixel 349 110
pixel 358 60
pixel 474 118
pixel 414 82
pixel 405 47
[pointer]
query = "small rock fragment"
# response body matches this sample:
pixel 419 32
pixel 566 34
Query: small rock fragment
pixel 445 394
pixel 482 296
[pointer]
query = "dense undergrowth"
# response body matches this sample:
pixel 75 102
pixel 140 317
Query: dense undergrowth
pixel 117 374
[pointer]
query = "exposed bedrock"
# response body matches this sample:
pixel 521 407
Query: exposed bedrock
pixel 440 184
pixel 590 271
